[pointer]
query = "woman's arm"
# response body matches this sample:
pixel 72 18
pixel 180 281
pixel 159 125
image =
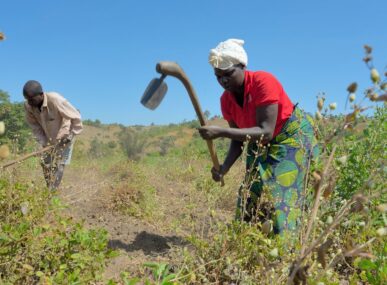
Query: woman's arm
pixel 233 153
pixel 266 117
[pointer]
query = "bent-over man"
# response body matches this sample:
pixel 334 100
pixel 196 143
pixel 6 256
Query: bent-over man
pixel 54 121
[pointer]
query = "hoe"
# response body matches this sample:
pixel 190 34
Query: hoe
pixel 21 159
pixel 157 89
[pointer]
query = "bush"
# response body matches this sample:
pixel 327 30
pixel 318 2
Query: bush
pixel 112 144
pixel 38 244
pixel 96 148
pixel 360 154
pixel 96 123
pixel 99 149
pixel 133 194
pixel 12 114
pixel 165 144
pixel 132 143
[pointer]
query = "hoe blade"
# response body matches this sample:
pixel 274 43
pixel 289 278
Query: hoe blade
pixel 154 93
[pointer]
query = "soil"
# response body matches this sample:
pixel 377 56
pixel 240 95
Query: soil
pixel 88 195
pixel 136 240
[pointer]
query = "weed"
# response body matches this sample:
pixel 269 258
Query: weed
pixel 38 244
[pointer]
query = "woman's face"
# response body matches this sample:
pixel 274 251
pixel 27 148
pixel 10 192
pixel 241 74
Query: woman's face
pixel 231 79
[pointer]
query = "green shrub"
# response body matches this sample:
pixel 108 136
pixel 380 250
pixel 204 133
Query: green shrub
pixel 96 123
pixel 17 131
pixel 37 243
pixel 100 149
pixel 96 148
pixel 112 144
pixel 165 144
pixel 132 143
pixel 361 153
pixel 133 194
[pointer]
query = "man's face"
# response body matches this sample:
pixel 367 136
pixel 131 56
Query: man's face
pixel 230 79
pixel 35 100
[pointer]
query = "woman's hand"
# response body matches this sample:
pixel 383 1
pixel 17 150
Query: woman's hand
pixel 210 132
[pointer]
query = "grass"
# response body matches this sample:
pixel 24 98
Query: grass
pixel 175 192
pixel 40 245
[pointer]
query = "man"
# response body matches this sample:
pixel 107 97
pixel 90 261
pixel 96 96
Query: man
pixel 54 121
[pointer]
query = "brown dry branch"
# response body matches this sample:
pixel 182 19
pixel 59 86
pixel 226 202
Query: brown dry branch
pixel 346 209
pixel 381 98
pixel 252 176
pixel 329 189
pixel 304 190
pixel 322 250
pixel 296 266
pixel 306 251
pixel 301 276
pixel 317 182
pixel 177 278
pixel 317 201
pixel 357 251
pixel 348 124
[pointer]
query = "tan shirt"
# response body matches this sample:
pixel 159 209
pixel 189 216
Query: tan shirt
pixel 56 119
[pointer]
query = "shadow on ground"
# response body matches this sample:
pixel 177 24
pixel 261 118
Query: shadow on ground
pixel 149 243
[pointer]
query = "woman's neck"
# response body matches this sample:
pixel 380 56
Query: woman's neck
pixel 239 95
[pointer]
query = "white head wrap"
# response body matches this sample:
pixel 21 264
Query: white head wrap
pixel 227 54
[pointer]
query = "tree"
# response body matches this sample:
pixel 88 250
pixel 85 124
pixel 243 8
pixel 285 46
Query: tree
pixel 207 114
pixel 132 143
pixel 12 114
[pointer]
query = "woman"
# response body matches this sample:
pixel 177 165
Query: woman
pixel 279 136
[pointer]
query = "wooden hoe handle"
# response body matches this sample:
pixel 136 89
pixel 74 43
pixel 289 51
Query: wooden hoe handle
pixel 20 159
pixel 173 69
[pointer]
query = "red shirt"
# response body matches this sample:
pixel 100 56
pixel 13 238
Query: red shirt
pixel 261 89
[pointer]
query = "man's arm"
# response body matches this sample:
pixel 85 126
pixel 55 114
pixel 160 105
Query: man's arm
pixel 72 122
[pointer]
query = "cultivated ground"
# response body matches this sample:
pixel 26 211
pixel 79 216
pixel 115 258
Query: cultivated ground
pixel 148 207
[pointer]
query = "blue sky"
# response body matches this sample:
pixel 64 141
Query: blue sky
pixel 101 55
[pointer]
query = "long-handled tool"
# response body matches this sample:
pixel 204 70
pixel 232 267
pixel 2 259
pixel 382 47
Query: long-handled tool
pixel 157 88
pixel 35 153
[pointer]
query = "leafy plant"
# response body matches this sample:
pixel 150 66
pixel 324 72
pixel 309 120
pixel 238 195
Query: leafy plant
pixel 132 143
pixel 38 244
pixel 12 114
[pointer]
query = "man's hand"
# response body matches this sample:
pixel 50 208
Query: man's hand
pixel 217 175
pixel 65 140
pixel 210 132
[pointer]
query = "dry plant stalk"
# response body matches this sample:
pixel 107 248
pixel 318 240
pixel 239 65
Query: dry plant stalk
pixel 253 176
pixel 346 208
pixel 316 205
pixel 317 201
